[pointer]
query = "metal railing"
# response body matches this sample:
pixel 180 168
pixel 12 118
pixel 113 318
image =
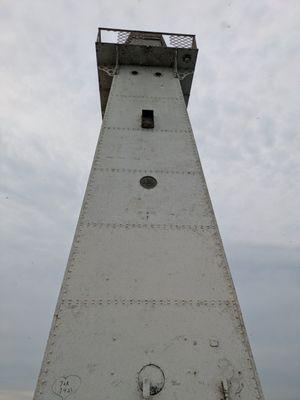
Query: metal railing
pixel 122 36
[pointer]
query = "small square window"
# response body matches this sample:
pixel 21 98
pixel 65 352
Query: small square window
pixel 147 119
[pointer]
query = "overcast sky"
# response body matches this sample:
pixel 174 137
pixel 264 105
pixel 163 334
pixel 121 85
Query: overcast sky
pixel 244 107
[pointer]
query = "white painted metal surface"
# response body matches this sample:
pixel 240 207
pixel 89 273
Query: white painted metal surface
pixel 147 282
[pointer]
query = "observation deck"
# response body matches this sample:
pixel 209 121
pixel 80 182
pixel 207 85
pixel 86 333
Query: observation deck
pixel 116 47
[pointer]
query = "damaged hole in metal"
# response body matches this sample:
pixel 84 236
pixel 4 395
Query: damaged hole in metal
pixel 148 182
pixel 134 72
pixel 152 375
pixel 147 119
pixel 158 74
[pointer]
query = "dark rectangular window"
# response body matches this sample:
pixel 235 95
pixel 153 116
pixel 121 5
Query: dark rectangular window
pixel 147 119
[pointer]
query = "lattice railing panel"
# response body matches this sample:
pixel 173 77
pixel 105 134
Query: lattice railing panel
pixel 181 41
pixel 122 36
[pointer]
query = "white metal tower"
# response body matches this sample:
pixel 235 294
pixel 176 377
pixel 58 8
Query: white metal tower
pixel 147 307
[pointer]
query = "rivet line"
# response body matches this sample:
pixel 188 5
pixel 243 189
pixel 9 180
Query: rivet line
pixel 153 302
pixel 193 228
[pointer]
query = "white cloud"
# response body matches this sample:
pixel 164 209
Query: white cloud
pixel 244 108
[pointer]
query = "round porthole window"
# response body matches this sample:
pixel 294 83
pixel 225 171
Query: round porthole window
pixel 134 72
pixel 148 182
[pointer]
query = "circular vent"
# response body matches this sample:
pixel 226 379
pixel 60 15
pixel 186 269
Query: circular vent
pixel 148 182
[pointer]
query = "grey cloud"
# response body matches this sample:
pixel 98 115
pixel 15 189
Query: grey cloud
pixel 244 109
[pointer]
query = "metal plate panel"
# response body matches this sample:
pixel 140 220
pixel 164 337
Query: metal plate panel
pixel 172 201
pixel 121 148
pixel 126 262
pixel 146 83
pixel 130 110
pixel 105 345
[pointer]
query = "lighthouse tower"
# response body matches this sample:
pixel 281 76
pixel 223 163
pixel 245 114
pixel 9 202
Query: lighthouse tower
pixel 147 307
